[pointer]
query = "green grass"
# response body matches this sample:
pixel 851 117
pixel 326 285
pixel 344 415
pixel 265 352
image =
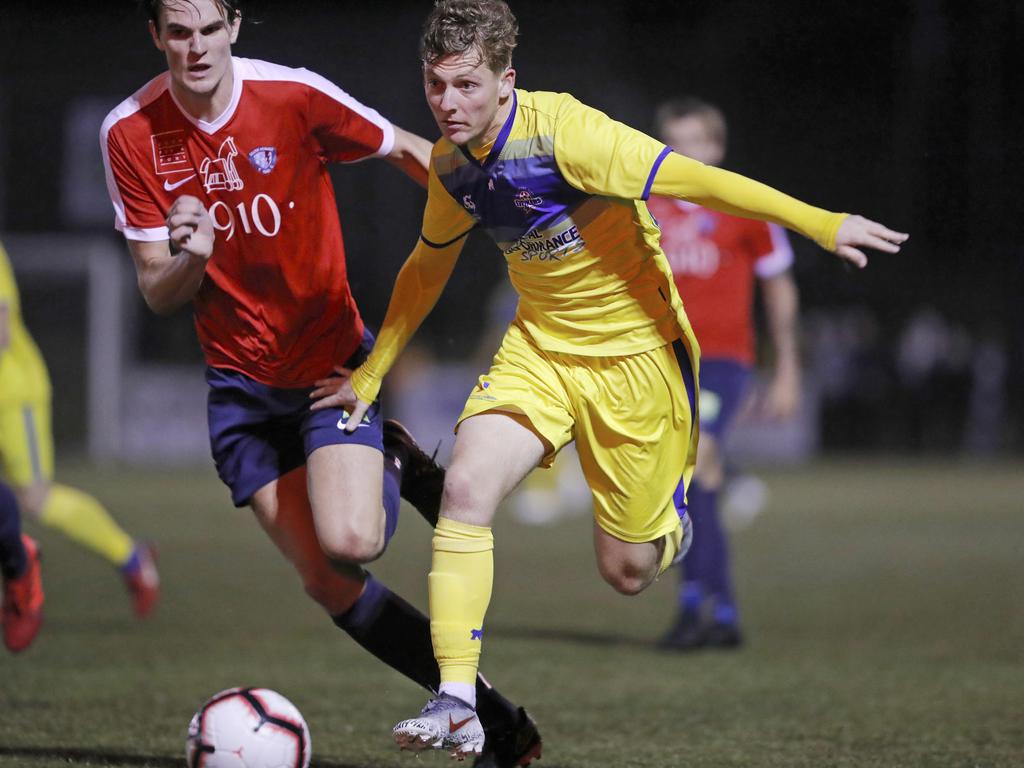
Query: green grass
pixel 883 603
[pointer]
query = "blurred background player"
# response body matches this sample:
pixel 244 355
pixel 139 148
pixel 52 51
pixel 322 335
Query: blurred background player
pixel 715 259
pixel 26 453
pixel 235 214
pixel 22 610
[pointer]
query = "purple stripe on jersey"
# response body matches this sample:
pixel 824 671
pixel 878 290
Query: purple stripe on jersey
pixel 516 196
pixel 654 172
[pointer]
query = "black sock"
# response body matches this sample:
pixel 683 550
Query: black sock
pixel 399 635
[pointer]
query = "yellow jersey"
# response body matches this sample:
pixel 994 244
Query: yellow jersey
pixel 561 192
pixel 23 375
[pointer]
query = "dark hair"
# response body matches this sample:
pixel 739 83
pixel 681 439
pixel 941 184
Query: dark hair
pixel 229 9
pixel 457 26
pixel 689 106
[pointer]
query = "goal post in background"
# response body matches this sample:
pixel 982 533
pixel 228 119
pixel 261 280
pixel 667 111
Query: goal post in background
pixel 50 269
pixel 113 399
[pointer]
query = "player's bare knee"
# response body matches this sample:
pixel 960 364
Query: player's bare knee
pixel 626 583
pixel 462 490
pixel 351 545
pixel 627 577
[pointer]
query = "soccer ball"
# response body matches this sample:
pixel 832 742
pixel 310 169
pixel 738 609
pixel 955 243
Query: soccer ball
pixel 248 728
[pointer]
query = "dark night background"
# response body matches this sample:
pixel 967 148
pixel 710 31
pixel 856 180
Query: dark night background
pixel 902 111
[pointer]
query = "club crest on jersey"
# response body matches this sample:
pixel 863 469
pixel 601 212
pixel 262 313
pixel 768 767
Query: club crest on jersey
pixel 263 159
pixel 526 200
pixel 219 172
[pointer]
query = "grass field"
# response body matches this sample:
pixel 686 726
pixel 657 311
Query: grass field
pixel 884 607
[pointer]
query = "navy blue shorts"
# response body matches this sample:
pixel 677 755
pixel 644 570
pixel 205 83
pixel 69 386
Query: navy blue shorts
pixel 723 384
pixel 259 433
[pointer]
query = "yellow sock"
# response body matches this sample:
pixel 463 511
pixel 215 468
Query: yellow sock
pixel 84 520
pixel 459 586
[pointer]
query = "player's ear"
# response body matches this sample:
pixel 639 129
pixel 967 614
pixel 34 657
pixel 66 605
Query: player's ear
pixel 507 84
pixel 235 26
pixel 155 34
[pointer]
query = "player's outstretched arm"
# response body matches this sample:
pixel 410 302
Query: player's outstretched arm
pixel 732 193
pixel 411 155
pixel 171 271
pixel 417 289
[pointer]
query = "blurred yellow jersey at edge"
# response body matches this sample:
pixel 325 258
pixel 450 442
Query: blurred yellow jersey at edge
pixel 23 376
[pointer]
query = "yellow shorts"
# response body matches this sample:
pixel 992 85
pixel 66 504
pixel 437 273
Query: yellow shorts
pixel 26 443
pixel 632 417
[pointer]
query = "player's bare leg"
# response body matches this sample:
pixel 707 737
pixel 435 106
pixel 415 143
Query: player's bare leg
pixel 344 485
pixel 283 510
pixel 493 453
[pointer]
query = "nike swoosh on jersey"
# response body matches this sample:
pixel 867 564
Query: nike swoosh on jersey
pixel 168 186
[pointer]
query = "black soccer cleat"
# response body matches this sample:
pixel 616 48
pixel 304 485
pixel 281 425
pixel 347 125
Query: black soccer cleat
pixel 511 746
pixel 686 634
pixel 689 633
pixel 722 635
pixel 422 477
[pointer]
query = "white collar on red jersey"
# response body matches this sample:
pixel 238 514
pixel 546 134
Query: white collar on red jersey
pixel 221 120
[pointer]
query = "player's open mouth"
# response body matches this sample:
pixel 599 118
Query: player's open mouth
pixel 198 69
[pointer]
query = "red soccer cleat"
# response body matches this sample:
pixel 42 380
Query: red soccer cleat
pixel 142 579
pixel 22 612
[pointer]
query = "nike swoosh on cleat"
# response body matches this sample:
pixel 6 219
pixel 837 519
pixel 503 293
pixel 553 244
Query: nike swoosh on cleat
pixel 453 726
pixel 169 187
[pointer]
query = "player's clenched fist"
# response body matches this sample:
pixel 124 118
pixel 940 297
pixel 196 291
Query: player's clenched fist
pixel 190 227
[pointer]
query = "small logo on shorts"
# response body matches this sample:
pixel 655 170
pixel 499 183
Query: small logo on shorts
pixel 345 416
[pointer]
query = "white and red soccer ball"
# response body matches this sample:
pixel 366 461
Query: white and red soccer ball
pixel 248 728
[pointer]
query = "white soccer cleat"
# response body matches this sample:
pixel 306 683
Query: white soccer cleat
pixel 445 723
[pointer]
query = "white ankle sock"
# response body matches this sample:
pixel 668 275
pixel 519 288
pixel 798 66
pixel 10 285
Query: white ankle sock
pixel 463 691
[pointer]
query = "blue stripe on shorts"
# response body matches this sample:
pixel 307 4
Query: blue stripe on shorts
pixel 686 369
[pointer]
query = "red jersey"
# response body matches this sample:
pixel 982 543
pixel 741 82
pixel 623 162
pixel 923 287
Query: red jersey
pixel 275 303
pixel 714 258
